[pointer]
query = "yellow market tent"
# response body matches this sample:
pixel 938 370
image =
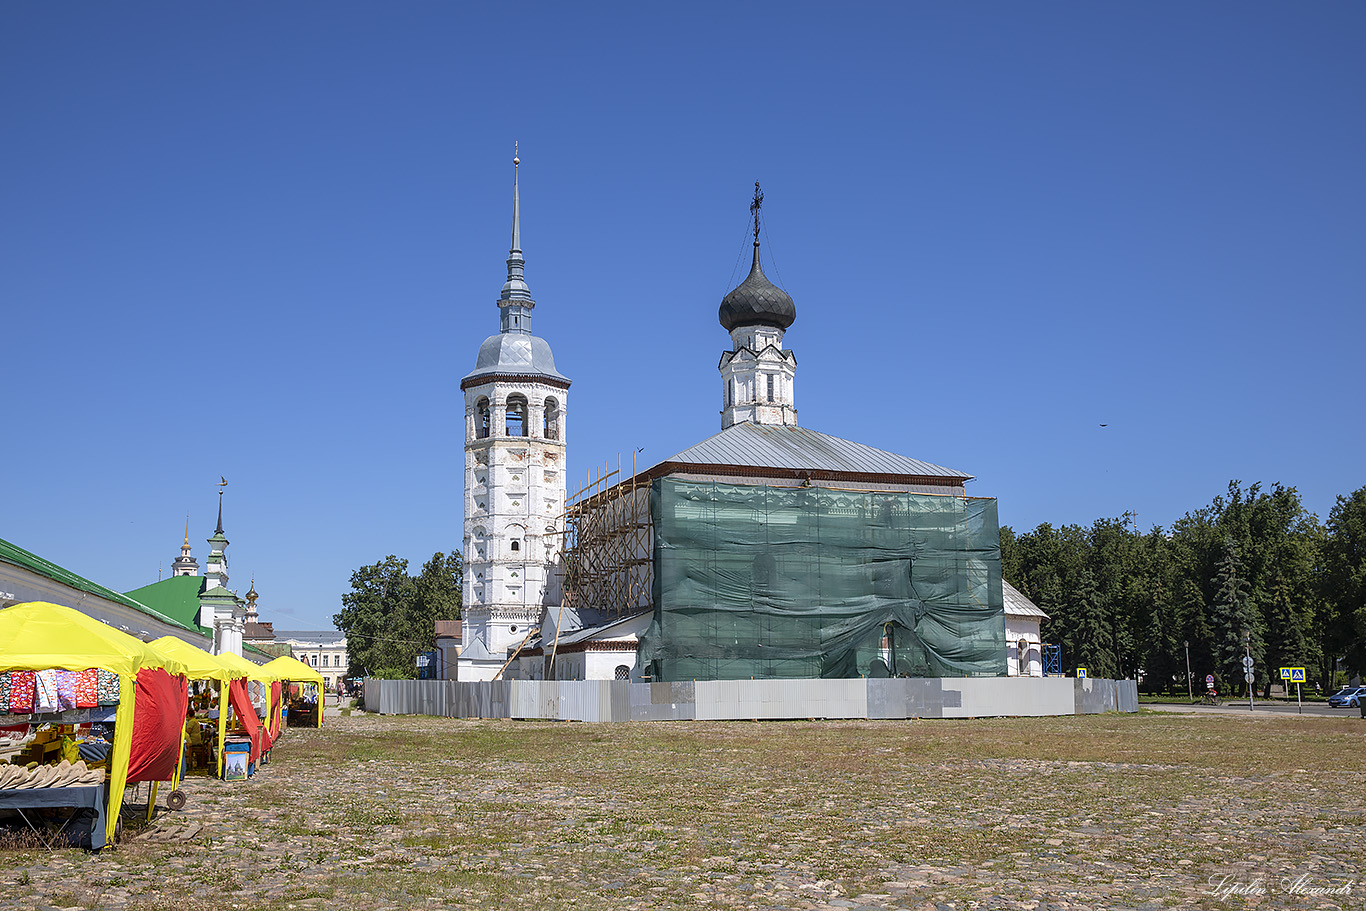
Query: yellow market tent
pixel 200 665
pixel 295 671
pixel 245 667
pixel 37 635
pixel 255 672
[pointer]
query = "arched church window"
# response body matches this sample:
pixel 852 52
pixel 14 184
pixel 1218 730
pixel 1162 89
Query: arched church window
pixel 516 416
pixel 1022 657
pixel 552 419
pixel 516 545
pixel 770 387
pixel 622 672
pixel 481 418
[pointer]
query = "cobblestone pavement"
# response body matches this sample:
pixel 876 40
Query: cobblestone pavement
pixel 1108 813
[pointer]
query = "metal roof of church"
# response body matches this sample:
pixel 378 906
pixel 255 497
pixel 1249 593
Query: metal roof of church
pixel 176 597
pixel 515 354
pixel 801 449
pixel 16 555
pixel 1017 604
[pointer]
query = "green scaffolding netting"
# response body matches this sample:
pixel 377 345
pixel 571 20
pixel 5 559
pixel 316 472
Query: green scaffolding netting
pixel 780 582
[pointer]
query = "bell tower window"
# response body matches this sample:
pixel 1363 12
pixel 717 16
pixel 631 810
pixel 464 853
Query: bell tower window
pixel 481 418
pixel 516 416
pixel 552 419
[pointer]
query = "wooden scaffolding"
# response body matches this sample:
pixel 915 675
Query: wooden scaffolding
pixel 609 544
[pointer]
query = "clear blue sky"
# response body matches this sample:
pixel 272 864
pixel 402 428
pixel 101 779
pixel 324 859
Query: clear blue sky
pixel 265 240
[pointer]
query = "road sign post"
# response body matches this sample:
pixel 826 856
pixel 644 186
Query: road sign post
pixel 1250 676
pixel 1295 675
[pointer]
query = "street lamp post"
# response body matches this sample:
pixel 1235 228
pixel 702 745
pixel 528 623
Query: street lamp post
pixel 1190 691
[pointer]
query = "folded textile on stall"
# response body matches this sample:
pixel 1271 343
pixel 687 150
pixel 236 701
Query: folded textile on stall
pixel 62 775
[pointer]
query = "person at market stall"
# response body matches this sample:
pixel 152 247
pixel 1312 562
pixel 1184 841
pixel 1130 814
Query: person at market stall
pixel 194 736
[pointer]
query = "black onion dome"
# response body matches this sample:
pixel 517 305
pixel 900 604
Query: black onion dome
pixel 757 302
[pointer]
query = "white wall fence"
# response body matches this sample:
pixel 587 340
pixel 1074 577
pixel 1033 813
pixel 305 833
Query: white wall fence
pixel 610 700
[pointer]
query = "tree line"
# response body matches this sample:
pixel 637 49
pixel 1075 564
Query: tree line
pixel 389 614
pixel 1253 571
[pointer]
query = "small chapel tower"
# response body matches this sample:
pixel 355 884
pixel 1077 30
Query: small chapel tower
pixel 185 564
pixel 515 408
pixel 757 373
pixel 218 607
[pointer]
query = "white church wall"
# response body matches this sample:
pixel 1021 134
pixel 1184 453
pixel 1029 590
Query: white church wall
pixel 1026 628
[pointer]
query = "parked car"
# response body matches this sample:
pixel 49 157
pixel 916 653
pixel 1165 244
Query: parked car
pixel 1348 697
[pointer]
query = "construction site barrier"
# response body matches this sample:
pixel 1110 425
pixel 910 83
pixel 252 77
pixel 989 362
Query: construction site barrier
pixel 863 698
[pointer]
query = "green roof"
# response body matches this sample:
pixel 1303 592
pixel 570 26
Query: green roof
pixel 176 597
pixel 13 554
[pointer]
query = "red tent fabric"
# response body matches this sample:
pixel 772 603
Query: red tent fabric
pixel 159 707
pixel 245 713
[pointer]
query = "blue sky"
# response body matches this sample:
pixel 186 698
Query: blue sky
pixel 264 241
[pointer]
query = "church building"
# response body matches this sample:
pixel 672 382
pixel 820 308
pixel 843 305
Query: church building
pixel 203 601
pixel 770 550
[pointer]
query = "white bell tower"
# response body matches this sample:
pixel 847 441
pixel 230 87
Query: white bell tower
pixel 515 409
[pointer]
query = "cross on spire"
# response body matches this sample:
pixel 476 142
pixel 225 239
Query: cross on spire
pixel 754 207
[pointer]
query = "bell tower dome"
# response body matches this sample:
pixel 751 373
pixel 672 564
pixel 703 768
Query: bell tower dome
pixel 515 431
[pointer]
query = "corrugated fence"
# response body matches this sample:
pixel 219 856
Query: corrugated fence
pixel 610 700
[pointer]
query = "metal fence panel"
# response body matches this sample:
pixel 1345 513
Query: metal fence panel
pixel 612 700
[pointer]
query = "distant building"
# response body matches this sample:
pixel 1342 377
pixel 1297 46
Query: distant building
pixel 449 636
pixel 25 576
pixel 324 650
pixel 204 601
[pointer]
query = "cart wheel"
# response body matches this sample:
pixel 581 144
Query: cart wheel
pixel 175 800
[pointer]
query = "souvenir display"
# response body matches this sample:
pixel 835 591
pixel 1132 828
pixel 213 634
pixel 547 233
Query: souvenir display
pixel 87 689
pixel 45 698
pixel 107 687
pixel 21 692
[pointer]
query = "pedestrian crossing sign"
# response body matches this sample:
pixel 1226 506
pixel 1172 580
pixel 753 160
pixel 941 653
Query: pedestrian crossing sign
pixel 1293 674
pixel 1081 672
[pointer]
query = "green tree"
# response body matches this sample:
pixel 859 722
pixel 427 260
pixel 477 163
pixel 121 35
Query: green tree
pixel 1342 629
pixel 1092 640
pixel 1236 626
pixel 389 615
pixel 1163 634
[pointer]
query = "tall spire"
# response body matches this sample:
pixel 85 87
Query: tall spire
pixel 187 528
pixel 516 206
pixel 223 482
pixel 516 295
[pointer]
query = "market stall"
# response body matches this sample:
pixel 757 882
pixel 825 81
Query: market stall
pixel 200 665
pixel 63 667
pixel 291 670
pixel 244 706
